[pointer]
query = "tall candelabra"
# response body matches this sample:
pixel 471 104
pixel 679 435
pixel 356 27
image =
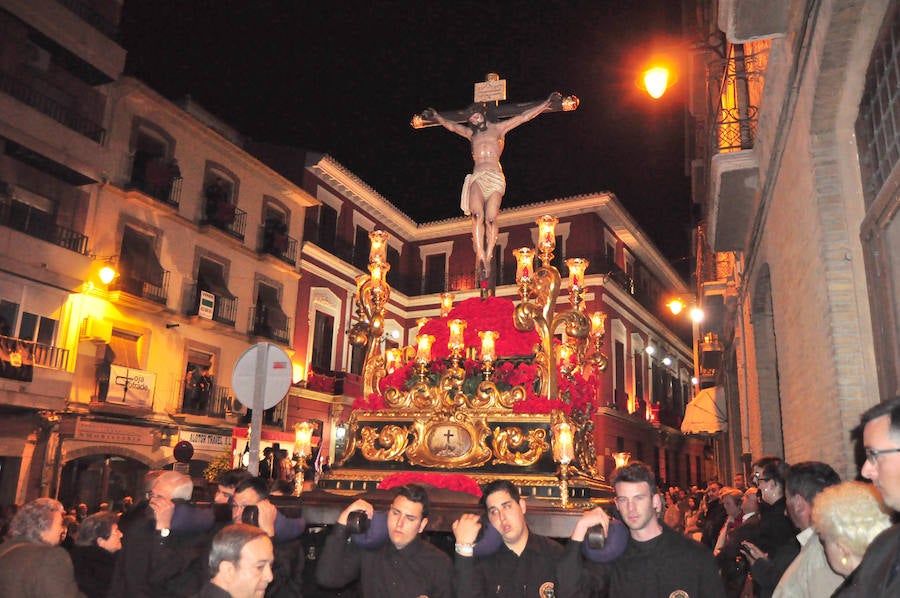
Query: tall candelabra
pixel 539 290
pixel 372 294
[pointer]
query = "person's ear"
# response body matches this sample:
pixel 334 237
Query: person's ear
pixel 423 524
pixel 227 570
pixel 656 502
pixel 522 505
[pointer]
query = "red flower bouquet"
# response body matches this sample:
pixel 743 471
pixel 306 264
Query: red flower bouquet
pixel 456 482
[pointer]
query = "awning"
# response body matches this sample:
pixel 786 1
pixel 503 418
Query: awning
pixel 210 278
pixel 138 259
pixel 706 413
pixel 269 309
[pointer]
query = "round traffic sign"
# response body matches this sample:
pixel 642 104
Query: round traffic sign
pixel 263 369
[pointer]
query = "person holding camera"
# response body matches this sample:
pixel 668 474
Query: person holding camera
pixel 657 561
pixel 403 567
pixel 525 564
pixel 158 559
pixel 250 505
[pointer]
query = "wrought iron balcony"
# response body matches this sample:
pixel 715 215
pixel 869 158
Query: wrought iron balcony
pixel 226 217
pixel 166 189
pixel 38 224
pixel 145 289
pixel 275 242
pixel 18 358
pixel 62 114
pixel 267 324
pixel 224 308
pixel 737 109
pixel 210 400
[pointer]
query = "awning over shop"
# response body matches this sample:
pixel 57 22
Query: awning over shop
pixel 706 413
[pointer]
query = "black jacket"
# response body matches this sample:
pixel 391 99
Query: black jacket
pixel 660 567
pixel 505 574
pixel 419 569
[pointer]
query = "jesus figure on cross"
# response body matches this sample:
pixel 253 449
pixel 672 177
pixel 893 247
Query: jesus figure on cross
pixel 483 189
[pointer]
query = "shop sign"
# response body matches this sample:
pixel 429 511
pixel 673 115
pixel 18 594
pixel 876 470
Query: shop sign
pixel 208 443
pixel 101 432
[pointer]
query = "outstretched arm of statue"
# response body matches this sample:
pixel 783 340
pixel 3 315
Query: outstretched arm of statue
pixel 529 114
pixel 432 114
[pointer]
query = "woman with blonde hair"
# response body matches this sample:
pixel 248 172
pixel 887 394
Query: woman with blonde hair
pixel 847 518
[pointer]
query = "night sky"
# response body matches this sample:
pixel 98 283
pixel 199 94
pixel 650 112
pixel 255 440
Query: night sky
pixel 344 78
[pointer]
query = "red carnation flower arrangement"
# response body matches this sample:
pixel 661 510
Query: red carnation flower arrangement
pixel 456 482
pixel 514 367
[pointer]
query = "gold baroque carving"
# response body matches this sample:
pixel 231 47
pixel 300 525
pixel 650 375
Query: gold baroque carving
pixel 386 445
pixel 449 442
pixel 513 438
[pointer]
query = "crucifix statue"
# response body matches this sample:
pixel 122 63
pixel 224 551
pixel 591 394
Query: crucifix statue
pixel 485 124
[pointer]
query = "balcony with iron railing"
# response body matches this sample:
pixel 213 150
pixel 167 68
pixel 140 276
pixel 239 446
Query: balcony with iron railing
pixel 224 308
pixel 273 241
pixel 19 357
pixel 157 292
pixel 40 225
pixel 206 399
pixel 158 179
pixel 226 217
pixel 63 114
pixel 266 323
pixel 734 165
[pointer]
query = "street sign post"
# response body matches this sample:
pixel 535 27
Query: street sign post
pixel 261 379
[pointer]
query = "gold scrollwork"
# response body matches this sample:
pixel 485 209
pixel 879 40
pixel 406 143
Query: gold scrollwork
pixel 513 438
pixel 387 444
pixel 449 442
pixel 352 427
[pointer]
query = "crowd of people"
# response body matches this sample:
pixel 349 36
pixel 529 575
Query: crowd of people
pixel 788 530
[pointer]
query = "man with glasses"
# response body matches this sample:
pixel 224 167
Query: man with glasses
pixel 657 561
pixel 879 572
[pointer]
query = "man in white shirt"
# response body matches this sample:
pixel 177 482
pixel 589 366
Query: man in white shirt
pixel 808 575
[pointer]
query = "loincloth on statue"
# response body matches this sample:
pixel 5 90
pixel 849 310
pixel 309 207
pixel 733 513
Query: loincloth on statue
pixel 489 181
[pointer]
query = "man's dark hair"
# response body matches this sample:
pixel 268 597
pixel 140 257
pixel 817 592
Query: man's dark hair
pixel 499 486
pixel 766 461
pixel 233 477
pixel 891 408
pixel 636 471
pixel 808 478
pixel 229 542
pixel 415 493
pixel 773 470
pixel 258 485
pixel 97 526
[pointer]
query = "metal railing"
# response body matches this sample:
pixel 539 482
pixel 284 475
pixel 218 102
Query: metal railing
pixel 24 352
pixel 226 217
pixel 168 193
pixel 212 401
pixel 142 288
pixel 736 114
pixel 279 244
pixel 224 309
pixel 263 324
pixel 39 224
pixel 64 115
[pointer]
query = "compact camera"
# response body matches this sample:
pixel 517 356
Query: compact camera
pixel 358 522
